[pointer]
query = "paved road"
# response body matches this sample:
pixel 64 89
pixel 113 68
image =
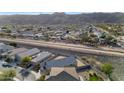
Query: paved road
pixel 68 48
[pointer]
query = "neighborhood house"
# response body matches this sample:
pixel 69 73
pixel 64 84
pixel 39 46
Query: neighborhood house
pixel 63 74
pixel 69 61
pixel 41 57
pixel 29 52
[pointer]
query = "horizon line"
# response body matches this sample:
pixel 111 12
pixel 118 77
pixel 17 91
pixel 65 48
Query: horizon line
pixel 38 13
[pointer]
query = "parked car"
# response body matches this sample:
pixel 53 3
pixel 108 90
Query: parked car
pixel 6 65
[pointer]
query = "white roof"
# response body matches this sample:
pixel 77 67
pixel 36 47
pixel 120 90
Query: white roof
pixel 17 50
pixel 42 56
pixel 29 52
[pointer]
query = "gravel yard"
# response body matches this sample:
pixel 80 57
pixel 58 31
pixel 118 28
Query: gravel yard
pixel 118 64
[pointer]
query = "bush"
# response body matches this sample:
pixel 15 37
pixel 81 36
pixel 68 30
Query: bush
pixel 36 68
pixel 13 44
pixel 42 78
pixel 115 29
pixel 2 78
pixel 26 59
pixel 89 38
pixel 7 75
pixel 107 68
pixel 8 31
pixel 4 27
pixel 108 39
pixel 94 77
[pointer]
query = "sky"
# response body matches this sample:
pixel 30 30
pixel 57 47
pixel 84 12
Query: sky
pixel 68 6
pixel 34 13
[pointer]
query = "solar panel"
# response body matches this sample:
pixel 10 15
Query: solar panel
pixel 83 68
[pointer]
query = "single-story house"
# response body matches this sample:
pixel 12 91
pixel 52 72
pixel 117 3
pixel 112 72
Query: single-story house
pixel 17 50
pixel 27 33
pixel 5 48
pixel 39 36
pixel 30 52
pixel 64 62
pixel 41 57
pixel 13 52
pixel 62 74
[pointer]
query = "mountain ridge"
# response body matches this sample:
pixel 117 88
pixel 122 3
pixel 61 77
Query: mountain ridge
pixel 62 18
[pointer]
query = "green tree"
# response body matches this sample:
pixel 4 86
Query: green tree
pixel 7 75
pixel 25 61
pixel 107 69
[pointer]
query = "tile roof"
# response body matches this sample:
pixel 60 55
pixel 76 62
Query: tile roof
pixel 58 71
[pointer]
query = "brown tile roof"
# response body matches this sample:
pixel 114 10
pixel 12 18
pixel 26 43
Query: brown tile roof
pixel 69 70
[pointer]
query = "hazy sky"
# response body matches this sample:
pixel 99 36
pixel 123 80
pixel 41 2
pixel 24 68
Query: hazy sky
pixel 34 13
pixel 62 5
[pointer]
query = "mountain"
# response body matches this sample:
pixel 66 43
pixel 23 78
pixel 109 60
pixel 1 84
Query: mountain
pixel 62 18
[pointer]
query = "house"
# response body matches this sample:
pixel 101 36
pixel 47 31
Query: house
pixel 30 52
pixel 13 52
pixel 64 62
pixel 41 57
pixel 39 36
pixel 17 50
pixel 5 48
pixel 26 33
pixel 62 74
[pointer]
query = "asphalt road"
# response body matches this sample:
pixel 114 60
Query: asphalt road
pixel 68 48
